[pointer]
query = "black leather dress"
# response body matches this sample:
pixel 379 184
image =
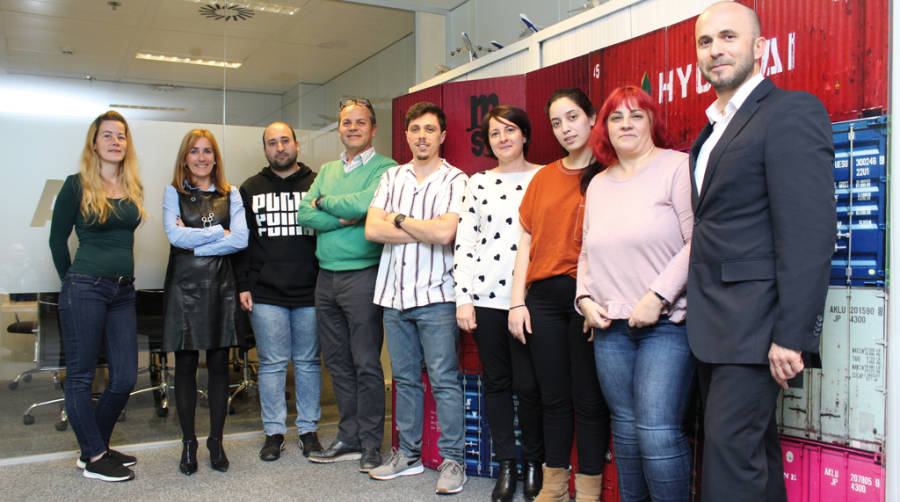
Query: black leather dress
pixel 202 307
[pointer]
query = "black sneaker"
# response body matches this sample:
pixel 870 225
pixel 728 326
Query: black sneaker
pixel 309 443
pixel 107 468
pixel 370 459
pixel 272 448
pixel 125 460
pixel 337 452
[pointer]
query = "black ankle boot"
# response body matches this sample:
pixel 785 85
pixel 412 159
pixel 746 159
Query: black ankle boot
pixel 188 456
pixel 505 489
pixel 532 479
pixel 217 458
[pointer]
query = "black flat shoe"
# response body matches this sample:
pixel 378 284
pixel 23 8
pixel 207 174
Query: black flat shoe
pixel 188 456
pixel 505 488
pixel 532 479
pixel 217 458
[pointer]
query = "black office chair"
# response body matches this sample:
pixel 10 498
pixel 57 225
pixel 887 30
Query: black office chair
pixel 240 361
pixel 24 328
pixel 149 304
pixel 49 354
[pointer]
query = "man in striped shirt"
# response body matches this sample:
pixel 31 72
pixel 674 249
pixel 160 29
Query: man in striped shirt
pixel 414 213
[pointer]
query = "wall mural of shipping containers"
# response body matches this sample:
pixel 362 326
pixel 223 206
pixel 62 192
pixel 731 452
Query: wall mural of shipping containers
pixel 833 418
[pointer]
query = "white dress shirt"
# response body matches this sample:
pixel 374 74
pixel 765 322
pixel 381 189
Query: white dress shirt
pixel 720 122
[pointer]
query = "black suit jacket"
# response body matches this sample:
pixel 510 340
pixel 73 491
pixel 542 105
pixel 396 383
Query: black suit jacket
pixel 764 230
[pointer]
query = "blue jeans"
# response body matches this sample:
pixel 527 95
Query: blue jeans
pixel 94 313
pixel 646 374
pixel 284 334
pixel 428 332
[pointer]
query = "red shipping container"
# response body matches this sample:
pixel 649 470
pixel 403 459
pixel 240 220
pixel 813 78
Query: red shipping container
pixel 539 85
pixel 795 470
pixel 469 361
pixel 842 474
pixel 610 491
pixel 431 430
pixel 465 104
pixel 818 472
pixel 399 147
pixel 835 50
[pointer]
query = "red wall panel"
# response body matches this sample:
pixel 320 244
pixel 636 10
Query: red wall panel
pixel 399 148
pixel 539 85
pixel 835 50
pixel 465 103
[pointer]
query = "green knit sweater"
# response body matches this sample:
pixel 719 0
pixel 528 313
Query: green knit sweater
pixel 342 247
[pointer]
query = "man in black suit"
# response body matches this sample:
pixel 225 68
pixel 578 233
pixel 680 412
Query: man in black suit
pixel 764 229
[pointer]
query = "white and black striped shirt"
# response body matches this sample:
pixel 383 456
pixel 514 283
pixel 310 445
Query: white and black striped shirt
pixel 417 274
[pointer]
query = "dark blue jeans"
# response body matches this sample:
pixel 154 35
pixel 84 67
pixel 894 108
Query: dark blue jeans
pixel 645 374
pixel 95 311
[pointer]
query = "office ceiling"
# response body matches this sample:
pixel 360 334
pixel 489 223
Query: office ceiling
pixel 99 39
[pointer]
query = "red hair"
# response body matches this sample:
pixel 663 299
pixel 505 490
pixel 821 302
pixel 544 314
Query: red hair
pixel 634 98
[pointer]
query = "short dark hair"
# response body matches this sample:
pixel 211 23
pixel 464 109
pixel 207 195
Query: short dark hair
pixel 293 134
pixel 423 108
pixel 511 114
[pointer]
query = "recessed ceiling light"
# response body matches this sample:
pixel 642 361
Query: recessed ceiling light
pixel 148 107
pixel 188 60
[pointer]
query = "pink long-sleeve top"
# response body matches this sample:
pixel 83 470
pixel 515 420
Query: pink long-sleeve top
pixel 637 235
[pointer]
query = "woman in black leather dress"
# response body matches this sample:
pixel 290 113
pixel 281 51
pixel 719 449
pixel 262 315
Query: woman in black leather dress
pixel 204 220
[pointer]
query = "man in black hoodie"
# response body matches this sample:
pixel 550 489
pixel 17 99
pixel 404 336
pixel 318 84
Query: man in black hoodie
pixel 277 279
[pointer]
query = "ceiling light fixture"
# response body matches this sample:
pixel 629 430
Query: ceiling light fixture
pixel 178 59
pixel 242 10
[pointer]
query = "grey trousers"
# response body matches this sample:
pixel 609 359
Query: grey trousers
pixel 351 334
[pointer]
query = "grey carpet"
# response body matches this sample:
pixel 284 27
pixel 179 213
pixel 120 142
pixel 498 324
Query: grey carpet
pixel 249 479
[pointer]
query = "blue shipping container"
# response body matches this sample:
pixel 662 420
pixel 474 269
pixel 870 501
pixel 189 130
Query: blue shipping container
pixel 860 174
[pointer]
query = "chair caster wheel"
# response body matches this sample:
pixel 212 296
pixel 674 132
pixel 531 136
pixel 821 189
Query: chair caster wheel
pixel 27 378
pixel 162 412
pixel 13 385
pixel 61 425
pixel 28 419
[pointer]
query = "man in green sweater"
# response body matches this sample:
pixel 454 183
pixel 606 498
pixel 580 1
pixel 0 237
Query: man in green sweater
pixel 350 325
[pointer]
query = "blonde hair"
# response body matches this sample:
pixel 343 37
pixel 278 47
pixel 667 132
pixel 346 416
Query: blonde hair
pixel 94 203
pixel 182 173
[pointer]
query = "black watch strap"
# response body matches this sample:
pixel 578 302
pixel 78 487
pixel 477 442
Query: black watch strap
pixel 399 219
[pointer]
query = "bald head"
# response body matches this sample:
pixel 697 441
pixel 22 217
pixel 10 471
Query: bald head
pixel 729 46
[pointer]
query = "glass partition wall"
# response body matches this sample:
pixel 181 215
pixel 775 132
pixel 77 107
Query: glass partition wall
pixel 168 67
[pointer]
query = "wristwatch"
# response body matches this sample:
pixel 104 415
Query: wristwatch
pixel 399 219
pixel 318 202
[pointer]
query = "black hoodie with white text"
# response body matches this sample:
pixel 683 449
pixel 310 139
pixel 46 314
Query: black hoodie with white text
pixel 279 266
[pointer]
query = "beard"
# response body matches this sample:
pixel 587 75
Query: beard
pixel 288 163
pixel 742 70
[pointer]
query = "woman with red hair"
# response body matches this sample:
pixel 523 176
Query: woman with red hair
pixel 631 279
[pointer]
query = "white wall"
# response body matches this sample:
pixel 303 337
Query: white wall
pixel 380 78
pixel 612 22
pixel 72 95
pixel 39 149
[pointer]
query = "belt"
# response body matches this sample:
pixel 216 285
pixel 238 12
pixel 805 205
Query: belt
pixel 122 280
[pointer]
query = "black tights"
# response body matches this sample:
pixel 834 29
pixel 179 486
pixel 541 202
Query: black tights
pixel 186 390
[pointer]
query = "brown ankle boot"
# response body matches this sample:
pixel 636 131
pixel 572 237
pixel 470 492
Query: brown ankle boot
pixel 556 485
pixel 588 488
